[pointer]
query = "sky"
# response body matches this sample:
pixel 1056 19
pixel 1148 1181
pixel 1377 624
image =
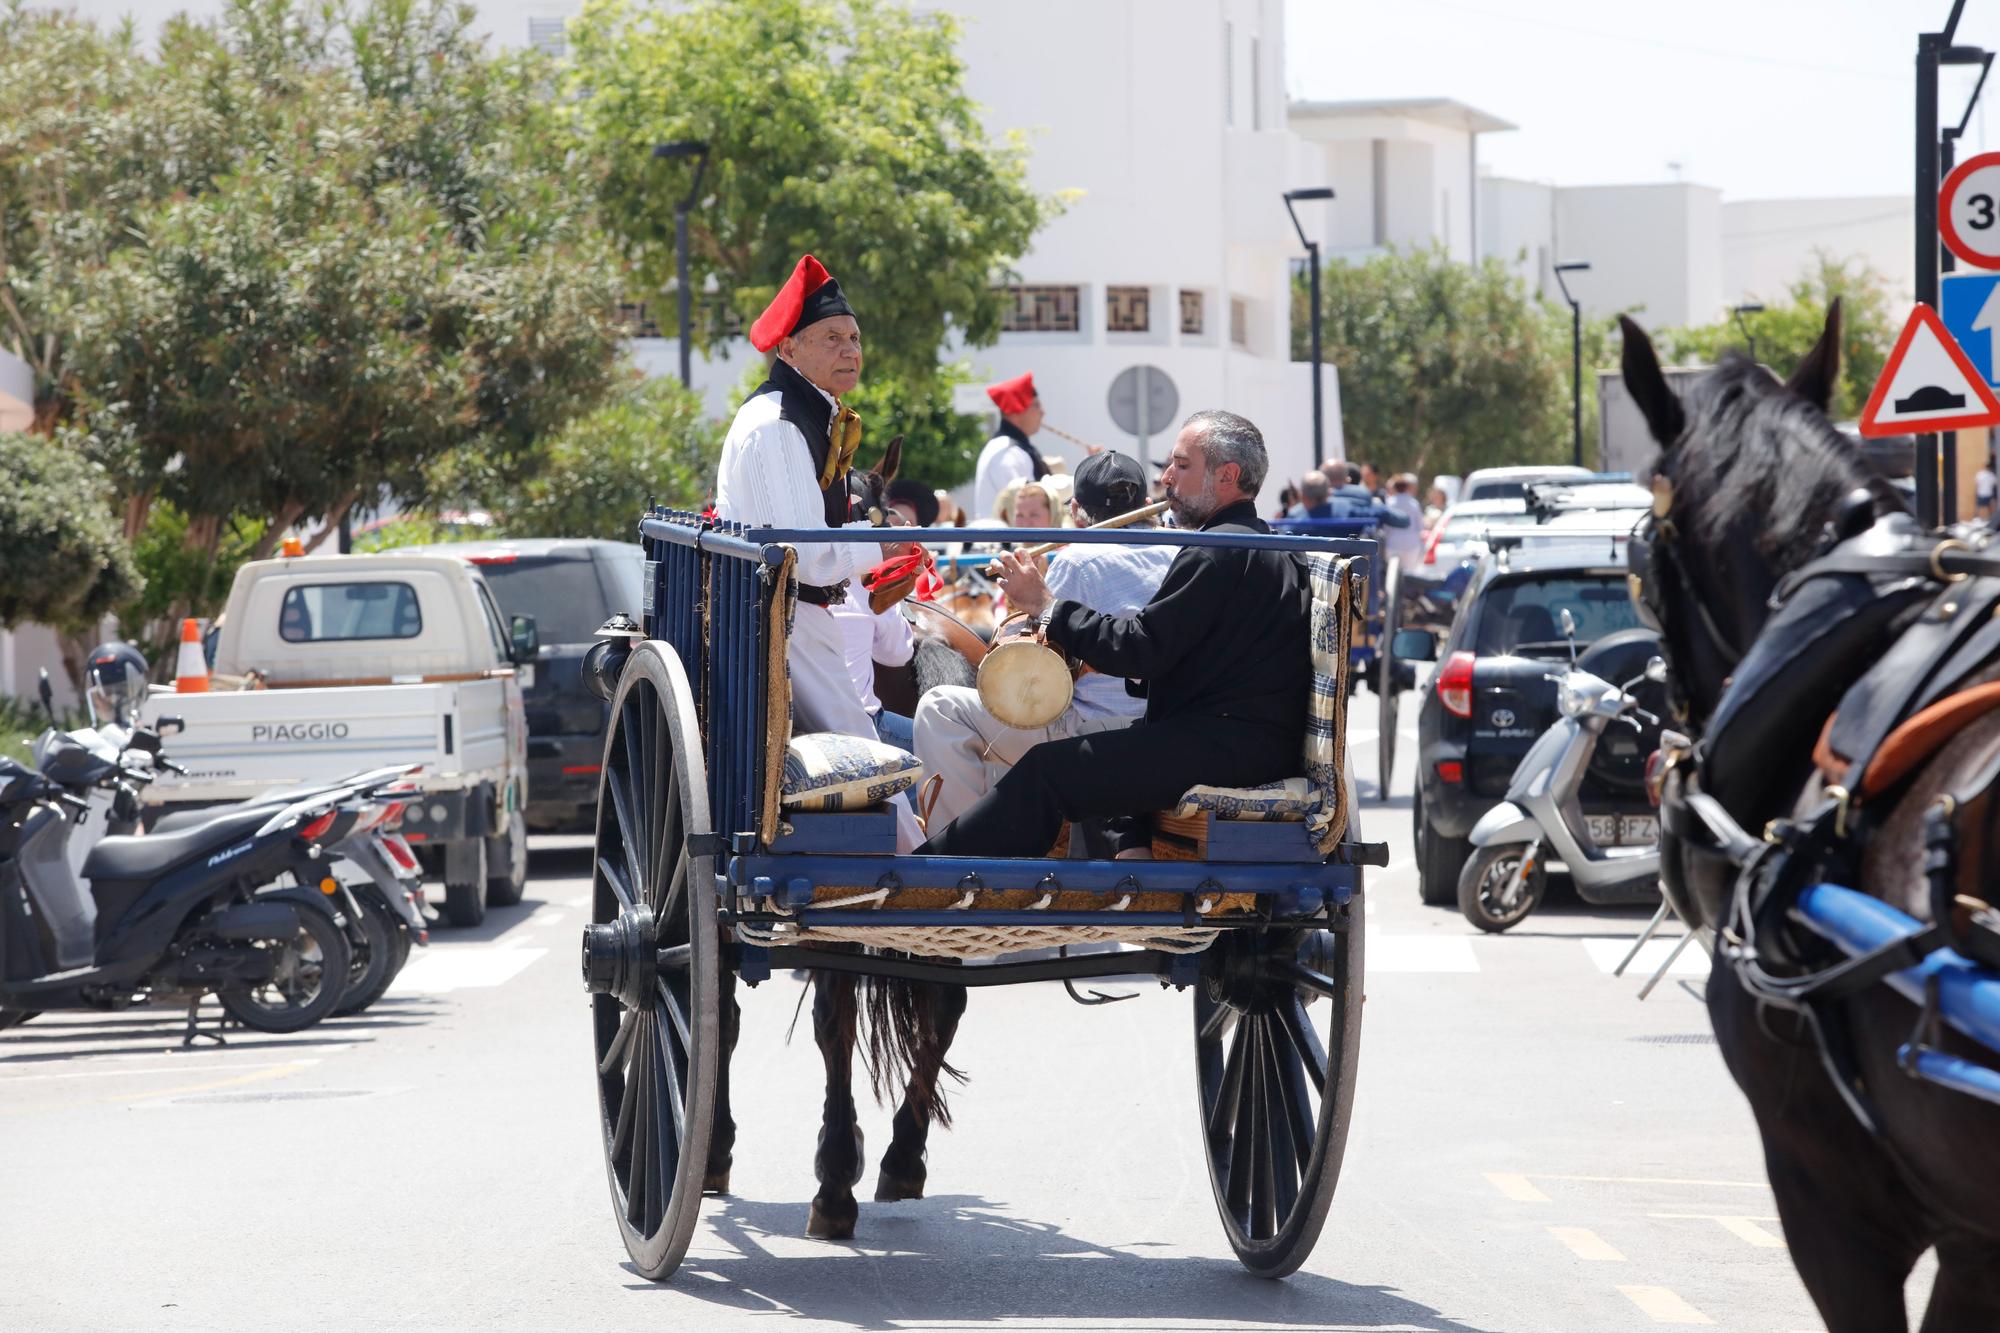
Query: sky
pixel 1761 98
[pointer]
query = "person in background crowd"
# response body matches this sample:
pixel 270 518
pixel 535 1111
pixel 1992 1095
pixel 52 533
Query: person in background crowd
pixel 1435 504
pixel 1405 543
pixel 1983 489
pixel 1370 480
pixel 1315 498
pixel 1010 455
pixel 916 502
pixel 1028 506
pixel 1288 498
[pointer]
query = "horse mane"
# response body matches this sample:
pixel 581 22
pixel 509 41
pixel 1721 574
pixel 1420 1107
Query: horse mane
pixel 1756 452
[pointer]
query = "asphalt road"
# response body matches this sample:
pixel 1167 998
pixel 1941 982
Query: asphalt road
pixel 1532 1149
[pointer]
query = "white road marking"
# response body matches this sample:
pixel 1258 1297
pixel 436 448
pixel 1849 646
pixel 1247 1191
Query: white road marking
pixel 546 919
pixel 1419 953
pixel 465 966
pixel 1606 953
pixel 1745 1228
pixel 1663 1306
pixel 1515 1187
pixel 165 1069
pixel 1586 1244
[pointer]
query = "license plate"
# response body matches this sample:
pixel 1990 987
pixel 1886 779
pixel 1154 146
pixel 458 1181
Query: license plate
pixel 1623 830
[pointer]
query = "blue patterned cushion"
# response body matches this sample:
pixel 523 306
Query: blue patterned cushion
pixel 827 771
pixel 1285 802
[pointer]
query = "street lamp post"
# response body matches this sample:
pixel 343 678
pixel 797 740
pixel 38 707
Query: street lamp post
pixel 1312 256
pixel 1748 308
pixel 698 150
pixel 1575 357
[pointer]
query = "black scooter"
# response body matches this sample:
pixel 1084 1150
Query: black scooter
pixel 170 916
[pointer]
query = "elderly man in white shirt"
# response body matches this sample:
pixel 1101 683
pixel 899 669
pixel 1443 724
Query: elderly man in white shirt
pixel 965 747
pixel 784 465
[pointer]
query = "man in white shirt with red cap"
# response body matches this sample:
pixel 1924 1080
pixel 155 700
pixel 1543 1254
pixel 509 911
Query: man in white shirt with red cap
pixel 1011 455
pixel 784 465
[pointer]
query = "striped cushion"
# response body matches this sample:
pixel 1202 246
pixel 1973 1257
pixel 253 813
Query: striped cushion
pixel 1286 802
pixel 1315 796
pixel 828 771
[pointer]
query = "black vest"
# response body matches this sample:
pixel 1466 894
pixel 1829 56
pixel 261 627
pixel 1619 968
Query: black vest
pixel 1020 437
pixel 800 403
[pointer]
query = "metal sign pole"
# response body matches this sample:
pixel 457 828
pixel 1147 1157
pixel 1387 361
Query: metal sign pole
pixel 1145 417
pixel 1928 46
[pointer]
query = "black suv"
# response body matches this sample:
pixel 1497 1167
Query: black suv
pixel 1488 699
pixel 571 587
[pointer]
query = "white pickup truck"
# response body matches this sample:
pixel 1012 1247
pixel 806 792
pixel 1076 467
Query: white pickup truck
pixel 325 666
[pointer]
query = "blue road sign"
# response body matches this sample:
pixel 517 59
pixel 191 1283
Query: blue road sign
pixel 1970 306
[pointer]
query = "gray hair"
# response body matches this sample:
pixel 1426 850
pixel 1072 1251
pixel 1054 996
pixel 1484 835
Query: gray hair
pixel 1228 438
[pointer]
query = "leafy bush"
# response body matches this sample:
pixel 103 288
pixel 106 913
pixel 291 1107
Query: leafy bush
pixel 63 560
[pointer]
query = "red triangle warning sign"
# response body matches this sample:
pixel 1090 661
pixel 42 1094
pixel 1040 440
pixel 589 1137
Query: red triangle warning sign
pixel 1928 384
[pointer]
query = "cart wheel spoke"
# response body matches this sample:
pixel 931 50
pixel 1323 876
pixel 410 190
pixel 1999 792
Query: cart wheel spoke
pixel 621 1134
pixel 1212 1026
pixel 628 834
pixel 616 1053
pixel 1241 1144
pixel 1284 1160
pixel 1222 1116
pixel 639 1172
pixel 616 880
pixel 1304 1040
pixel 670 1073
pixel 1317 982
pixel 676 1012
pixel 670 908
pixel 1264 1180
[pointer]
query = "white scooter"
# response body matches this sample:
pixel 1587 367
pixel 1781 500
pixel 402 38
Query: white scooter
pixel 1542 819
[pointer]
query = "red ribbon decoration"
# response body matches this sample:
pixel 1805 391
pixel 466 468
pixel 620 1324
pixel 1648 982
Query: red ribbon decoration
pixel 917 564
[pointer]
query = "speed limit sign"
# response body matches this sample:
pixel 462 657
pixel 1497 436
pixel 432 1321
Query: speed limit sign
pixel 1969 210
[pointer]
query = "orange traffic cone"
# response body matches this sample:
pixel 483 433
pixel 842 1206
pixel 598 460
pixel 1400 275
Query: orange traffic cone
pixel 191 672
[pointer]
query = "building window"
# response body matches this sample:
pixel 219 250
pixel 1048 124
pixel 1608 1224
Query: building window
pixel 638 320
pixel 1042 310
pixel 1239 321
pixel 549 37
pixel 1229 74
pixel 1128 309
pixel 1191 314
pixel 1256 87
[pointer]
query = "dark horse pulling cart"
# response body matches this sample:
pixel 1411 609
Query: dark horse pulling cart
pixel 711 865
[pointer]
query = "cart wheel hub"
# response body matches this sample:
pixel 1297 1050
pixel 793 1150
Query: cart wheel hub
pixel 619 957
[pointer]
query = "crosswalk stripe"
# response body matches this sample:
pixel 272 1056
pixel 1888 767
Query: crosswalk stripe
pixel 1745 1228
pixel 465 966
pixel 1662 1306
pixel 1586 1244
pixel 1516 1187
pixel 1419 953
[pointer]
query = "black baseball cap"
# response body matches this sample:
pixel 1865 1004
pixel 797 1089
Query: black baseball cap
pixel 1110 483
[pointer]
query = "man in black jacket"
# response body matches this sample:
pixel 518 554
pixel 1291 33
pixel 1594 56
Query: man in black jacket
pixel 1222 651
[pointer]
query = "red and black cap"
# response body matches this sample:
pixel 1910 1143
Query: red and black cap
pixel 808 296
pixel 1015 395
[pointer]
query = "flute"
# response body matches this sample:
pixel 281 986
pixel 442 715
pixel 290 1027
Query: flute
pixel 1139 515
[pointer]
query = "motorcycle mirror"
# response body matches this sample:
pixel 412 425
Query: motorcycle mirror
pixel 1656 669
pixel 170 725
pixel 1568 624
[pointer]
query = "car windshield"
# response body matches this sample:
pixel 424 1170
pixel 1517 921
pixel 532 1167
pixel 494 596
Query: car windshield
pixel 562 595
pixel 1468 527
pixel 1523 617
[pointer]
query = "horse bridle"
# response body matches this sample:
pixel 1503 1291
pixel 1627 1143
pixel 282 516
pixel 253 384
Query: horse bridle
pixel 1663 569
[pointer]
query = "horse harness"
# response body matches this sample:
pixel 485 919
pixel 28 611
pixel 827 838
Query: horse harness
pixel 1889 624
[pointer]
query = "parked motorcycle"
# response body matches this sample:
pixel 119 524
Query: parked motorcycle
pixel 167 917
pixel 1542 817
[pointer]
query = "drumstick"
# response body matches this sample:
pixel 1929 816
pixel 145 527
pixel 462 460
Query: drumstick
pixel 1138 515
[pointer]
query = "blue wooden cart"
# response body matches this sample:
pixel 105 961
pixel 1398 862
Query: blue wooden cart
pixel 711 859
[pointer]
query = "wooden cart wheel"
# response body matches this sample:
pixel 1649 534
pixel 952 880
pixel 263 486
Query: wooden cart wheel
pixel 1277 1022
pixel 1387 694
pixel 650 961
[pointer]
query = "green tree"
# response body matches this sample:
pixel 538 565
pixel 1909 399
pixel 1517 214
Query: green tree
pixel 65 562
pixel 940 443
pixel 1444 367
pixel 651 438
pixel 332 246
pixel 1787 328
pixel 838 127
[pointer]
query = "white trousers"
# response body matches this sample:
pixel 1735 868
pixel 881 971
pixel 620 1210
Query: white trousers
pixel 958 738
pixel 824 699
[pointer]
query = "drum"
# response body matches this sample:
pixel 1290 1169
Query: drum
pixel 1025 683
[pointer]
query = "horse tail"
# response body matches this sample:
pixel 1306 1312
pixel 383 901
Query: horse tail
pixel 904 1042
